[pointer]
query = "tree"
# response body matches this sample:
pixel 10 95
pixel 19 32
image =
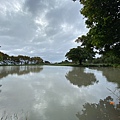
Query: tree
pixel 47 62
pixel 103 20
pixel 79 54
pixel 1 56
pixel 20 59
pixel 37 60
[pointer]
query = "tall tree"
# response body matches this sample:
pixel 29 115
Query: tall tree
pixel 1 56
pixel 79 54
pixel 103 20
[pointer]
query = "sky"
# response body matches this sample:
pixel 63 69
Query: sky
pixel 44 28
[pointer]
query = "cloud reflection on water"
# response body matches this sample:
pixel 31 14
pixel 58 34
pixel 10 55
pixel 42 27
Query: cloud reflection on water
pixel 49 95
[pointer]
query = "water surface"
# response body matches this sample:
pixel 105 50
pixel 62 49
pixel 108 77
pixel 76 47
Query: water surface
pixel 55 92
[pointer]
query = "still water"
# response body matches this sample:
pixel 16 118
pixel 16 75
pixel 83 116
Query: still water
pixel 59 93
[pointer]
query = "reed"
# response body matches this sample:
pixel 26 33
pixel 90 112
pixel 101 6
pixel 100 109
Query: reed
pixel 15 116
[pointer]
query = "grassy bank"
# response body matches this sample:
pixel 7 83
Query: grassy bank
pixel 86 65
pixel 72 64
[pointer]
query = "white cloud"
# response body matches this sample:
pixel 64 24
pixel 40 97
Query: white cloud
pixel 40 28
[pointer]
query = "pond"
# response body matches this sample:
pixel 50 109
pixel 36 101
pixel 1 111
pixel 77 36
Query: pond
pixel 59 93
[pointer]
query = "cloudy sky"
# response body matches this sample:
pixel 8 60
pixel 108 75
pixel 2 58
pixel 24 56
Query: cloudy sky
pixel 45 28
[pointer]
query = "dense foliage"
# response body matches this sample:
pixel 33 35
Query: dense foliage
pixel 103 20
pixel 79 54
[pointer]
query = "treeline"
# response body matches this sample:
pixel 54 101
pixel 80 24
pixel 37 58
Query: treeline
pixel 81 56
pixel 19 60
pixel 106 60
pixel 102 18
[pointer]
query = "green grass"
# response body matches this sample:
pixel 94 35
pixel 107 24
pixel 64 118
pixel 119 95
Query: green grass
pixel 83 65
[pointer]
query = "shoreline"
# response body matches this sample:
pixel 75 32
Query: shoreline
pixel 72 65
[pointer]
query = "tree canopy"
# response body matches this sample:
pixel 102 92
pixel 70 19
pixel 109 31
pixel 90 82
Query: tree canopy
pixel 79 54
pixel 20 59
pixel 102 17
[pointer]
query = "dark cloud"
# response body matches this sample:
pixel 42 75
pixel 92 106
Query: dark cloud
pixel 35 5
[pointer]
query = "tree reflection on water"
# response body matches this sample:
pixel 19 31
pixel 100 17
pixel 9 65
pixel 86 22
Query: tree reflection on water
pixel 0 86
pixel 105 110
pixel 78 77
pixel 112 74
pixel 19 70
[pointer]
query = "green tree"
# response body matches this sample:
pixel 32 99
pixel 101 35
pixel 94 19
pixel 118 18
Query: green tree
pixel 20 59
pixel 1 56
pixel 103 20
pixel 37 60
pixel 79 54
